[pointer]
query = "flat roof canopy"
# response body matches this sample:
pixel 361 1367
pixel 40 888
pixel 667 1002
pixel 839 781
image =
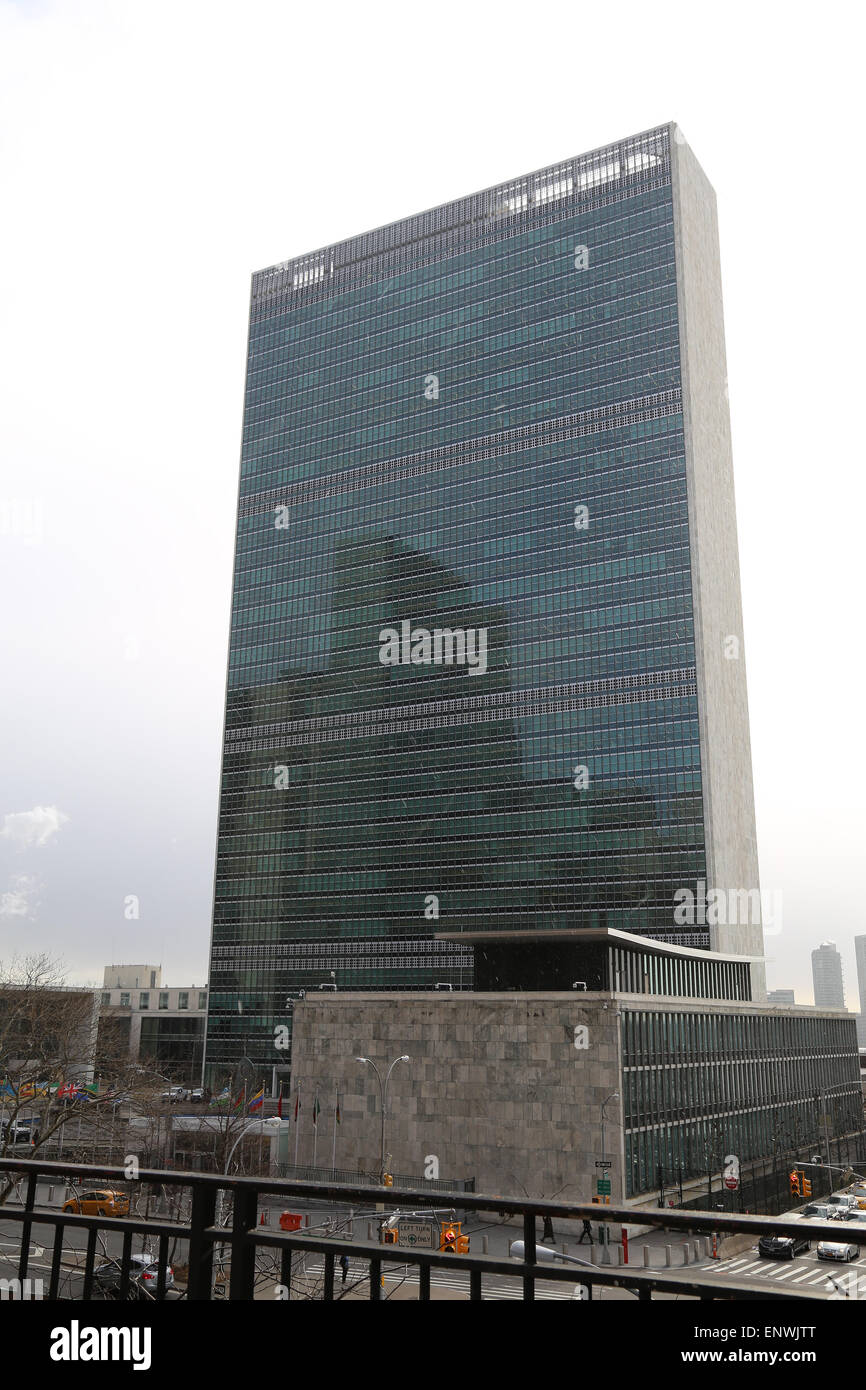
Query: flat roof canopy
pixel 627 940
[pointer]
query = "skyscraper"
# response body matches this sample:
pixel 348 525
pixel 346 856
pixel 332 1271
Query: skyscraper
pixel 860 954
pixel 827 977
pixel 486 667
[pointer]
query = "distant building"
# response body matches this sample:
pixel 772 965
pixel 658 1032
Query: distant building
pixel 163 1025
pixel 827 977
pixel 860 953
pixel 781 996
pixel 132 976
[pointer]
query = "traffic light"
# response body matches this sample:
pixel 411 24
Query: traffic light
pixel 596 1201
pixel 390 1236
pixel 794 1180
pixel 450 1239
pixel 805 1185
pixel 388 1180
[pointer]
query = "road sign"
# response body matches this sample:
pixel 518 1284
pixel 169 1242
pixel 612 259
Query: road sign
pixel 732 1184
pixel 604 1163
pixel 416 1234
pixel 602 1186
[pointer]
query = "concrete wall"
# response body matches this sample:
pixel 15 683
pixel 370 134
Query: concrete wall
pixel 505 1098
pixel 726 760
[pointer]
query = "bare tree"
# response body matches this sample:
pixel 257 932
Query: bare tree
pixel 48 1048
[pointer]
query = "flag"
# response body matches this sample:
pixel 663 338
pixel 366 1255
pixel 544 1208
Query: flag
pixel 297 1105
pixel 337 1116
pixel 256 1102
pixel 316 1108
pixel 239 1103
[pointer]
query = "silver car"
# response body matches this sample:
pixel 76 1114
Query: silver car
pixel 837 1250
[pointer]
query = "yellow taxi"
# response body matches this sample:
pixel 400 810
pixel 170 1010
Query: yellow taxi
pixel 99 1201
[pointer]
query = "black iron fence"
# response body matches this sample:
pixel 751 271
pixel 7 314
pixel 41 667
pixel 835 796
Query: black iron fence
pixel 222 1242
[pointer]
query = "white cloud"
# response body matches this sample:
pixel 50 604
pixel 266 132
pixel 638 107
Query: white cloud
pixel 19 900
pixel 32 829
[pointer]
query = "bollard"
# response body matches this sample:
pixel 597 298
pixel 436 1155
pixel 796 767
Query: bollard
pixel 51 1192
pixel 646 1256
pixel 668 1256
pixel 697 1246
pixel 685 1252
pixel 620 1255
pixel 593 1254
pixel 369 1230
pixel 484 1245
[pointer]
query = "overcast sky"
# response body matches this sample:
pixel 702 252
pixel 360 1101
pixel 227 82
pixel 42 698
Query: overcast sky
pixel 155 154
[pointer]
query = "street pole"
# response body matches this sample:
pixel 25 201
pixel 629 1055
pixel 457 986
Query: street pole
pixel 297 1122
pixel 605 1252
pixel 383 1095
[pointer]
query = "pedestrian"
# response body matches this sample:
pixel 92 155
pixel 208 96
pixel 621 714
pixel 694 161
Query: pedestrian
pixel 586 1234
pixel 548 1229
pixel 344 1265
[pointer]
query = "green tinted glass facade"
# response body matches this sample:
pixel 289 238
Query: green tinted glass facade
pixel 461 689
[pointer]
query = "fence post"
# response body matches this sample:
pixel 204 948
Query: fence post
pixel 242 1247
pixel 200 1277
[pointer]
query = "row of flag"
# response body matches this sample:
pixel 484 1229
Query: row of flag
pixel 256 1102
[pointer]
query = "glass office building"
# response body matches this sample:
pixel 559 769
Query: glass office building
pixel 471 686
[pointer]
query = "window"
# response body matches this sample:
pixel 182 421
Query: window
pixel 163 999
pixel 144 1000
pixel 106 996
pixel 202 998
pixel 124 1001
pixel 183 999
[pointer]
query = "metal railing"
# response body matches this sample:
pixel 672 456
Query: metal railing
pixel 212 1249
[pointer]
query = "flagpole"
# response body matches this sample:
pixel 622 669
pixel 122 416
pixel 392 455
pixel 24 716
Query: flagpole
pixel 315 1127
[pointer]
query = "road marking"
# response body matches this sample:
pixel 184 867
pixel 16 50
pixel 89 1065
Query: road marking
pixel 786 1274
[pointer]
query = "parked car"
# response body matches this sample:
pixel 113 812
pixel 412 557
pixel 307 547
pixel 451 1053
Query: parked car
pixel 782 1247
pixel 98 1201
pixel 837 1250
pixel 18 1132
pixel 143 1277
pixel 197 1096
pixel 844 1201
pixel 816 1209
pixel 845 1214
pixel 175 1093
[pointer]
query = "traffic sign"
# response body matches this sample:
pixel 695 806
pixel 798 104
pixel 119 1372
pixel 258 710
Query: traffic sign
pixel 604 1163
pixel 416 1234
pixel 732 1184
pixel 602 1186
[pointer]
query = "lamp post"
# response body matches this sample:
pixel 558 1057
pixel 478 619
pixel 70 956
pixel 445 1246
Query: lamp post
pixel 605 1253
pixel 383 1094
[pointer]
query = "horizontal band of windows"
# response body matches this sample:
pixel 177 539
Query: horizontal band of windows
pixel 469 451
pixel 387 726
pixel 510 699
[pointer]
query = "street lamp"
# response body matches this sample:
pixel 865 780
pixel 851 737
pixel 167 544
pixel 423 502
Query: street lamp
pixel 263 1127
pixel 614 1096
pixel 383 1094
pixel 605 1253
